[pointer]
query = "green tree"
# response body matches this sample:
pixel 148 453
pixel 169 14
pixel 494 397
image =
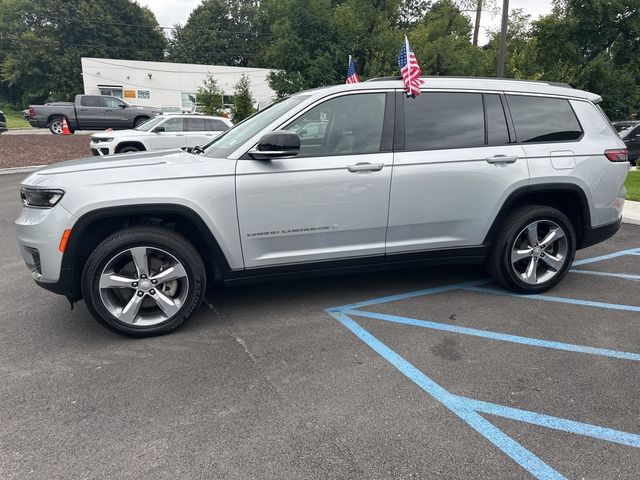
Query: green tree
pixel 221 32
pixel 594 45
pixel 210 96
pixel 42 41
pixel 242 100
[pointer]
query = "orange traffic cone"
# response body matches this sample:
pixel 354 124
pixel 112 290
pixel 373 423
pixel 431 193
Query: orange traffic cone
pixel 65 127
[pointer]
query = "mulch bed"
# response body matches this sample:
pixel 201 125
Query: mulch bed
pixel 26 150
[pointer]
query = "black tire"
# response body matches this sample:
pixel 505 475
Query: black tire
pixel 139 121
pixel 499 262
pixel 129 149
pixel 154 237
pixel 55 125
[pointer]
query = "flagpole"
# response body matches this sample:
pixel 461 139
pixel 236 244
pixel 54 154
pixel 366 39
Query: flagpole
pixel 406 49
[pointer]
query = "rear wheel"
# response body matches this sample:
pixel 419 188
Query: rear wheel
pixel 139 121
pixel 55 125
pixel 143 281
pixel 534 249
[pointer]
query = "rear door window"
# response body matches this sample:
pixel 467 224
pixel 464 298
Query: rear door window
pixel 195 124
pixel 540 119
pixel 90 101
pixel 444 120
pixel 213 125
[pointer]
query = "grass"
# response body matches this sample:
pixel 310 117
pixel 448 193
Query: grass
pixel 14 117
pixel 633 185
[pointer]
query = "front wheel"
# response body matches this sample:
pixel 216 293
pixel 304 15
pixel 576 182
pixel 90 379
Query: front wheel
pixel 143 281
pixel 534 249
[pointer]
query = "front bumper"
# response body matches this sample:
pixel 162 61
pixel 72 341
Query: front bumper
pixel 99 149
pixel 39 232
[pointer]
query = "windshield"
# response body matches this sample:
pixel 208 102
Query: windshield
pixel 226 143
pixel 149 124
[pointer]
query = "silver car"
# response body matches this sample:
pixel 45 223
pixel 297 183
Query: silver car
pixel 515 174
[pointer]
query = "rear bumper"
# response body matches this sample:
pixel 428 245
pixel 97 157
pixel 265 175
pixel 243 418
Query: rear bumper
pixel 594 235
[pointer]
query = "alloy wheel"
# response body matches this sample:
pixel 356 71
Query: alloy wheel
pixel 539 252
pixel 143 286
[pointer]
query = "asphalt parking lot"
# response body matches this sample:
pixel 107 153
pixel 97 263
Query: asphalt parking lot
pixel 410 374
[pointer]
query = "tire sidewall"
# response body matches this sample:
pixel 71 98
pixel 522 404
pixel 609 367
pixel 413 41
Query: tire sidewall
pixel 552 215
pixel 54 120
pixel 122 241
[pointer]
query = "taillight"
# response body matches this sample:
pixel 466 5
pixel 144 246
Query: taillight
pixel 32 112
pixel 617 155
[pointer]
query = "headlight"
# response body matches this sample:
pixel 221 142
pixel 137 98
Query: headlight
pixel 98 140
pixel 40 197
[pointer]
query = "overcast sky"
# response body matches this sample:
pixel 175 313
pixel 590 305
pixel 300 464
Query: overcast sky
pixel 170 12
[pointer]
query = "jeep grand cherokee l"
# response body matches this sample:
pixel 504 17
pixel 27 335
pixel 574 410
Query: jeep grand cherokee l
pixel 516 174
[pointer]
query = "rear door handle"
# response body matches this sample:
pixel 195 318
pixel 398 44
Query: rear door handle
pixel 502 159
pixel 365 167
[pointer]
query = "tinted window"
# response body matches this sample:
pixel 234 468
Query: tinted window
pixel 342 126
pixel 90 101
pixel 497 131
pixel 444 120
pixel 213 125
pixel 195 124
pixel 111 102
pixel 539 119
pixel 173 125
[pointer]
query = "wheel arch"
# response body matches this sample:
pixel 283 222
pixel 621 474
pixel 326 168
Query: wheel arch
pixel 569 198
pixel 125 144
pixel 93 227
pixel 140 117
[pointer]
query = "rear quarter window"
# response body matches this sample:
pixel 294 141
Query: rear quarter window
pixel 541 119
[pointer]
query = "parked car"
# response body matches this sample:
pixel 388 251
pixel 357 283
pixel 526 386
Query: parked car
pixel 630 134
pixel 161 133
pixel 3 122
pixel 170 110
pixel 463 173
pixel 89 112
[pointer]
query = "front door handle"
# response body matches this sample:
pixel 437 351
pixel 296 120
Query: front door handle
pixel 365 167
pixel 502 159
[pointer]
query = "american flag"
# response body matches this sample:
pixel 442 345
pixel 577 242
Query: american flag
pixel 352 75
pixel 410 69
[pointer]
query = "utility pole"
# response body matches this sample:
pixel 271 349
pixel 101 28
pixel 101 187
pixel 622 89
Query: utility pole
pixel 502 54
pixel 476 27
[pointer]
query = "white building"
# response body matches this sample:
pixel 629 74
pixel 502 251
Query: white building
pixel 163 84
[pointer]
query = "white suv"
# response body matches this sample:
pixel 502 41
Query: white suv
pixel 161 133
pixel 515 174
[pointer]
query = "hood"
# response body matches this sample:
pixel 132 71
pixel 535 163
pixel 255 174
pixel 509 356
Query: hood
pixel 120 134
pixel 131 165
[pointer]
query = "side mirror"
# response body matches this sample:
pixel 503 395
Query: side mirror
pixel 122 105
pixel 280 144
pixel 158 130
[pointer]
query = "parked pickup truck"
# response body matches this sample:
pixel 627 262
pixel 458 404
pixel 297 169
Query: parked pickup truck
pixel 89 112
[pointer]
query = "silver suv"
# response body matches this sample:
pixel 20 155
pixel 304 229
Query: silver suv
pixel 515 174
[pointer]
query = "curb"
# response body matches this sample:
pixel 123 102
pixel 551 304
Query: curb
pixel 29 169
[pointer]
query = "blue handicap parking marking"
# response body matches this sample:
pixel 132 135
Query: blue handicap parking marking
pixel 470 410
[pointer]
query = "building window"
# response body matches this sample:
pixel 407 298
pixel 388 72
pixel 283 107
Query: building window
pixel 110 91
pixel 188 100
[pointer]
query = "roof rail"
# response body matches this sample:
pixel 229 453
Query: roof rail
pixel 551 84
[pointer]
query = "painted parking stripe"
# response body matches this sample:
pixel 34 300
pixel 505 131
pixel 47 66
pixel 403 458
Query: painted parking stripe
pixel 469 409
pixel 609 256
pixel 455 404
pixel 535 342
pixel 555 423
pixel 549 298
pixel 626 276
